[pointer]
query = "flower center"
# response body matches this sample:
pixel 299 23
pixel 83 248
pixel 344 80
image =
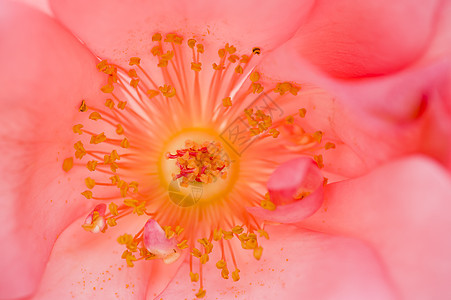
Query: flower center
pixel 197 168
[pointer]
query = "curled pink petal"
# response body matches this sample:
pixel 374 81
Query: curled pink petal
pixel 301 178
pixel 95 221
pixel 157 243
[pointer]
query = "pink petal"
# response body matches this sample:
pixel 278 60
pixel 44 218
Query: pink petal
pixel 296 264
pixel 400 209
pixel 366 38
pixel 89 266
pixel 377 119
pixel 47 73
pixel 156 242
pixel 290 178
pixel 118 29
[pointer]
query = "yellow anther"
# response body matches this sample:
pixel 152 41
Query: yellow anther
pixel 156 37
pixel 221 53
pixel 68 164
pixel 134 83
pixel 125 143
pixel 109 103
pixel 183 244
pixel 302 112
pixel 256 87
pixel 255 131
pixel 325 180
pixel 221 264
pixel 263 233
pixel 225 273
pixel 170 38
pixel 230 49
pixel 217 234
pixel 233 58
pixel 236 275
pixel 179 230
pixel 274 132
pixel 83 106
pixel 237 229
pixel 156 51
pixel 167 90
pixel 239 69
pixel 227 235
pixel 251 243
pixel 79 150
pixel 132 73
pixel 134 61
pixel 152 93
pixel 318 136
pixel 107 88
pixel 204 258
pixel 294 90
pixel 168 232
pixel 125 239
pixel 121 104
pixel 113 209
pixel 201 293
pixel 194 276
pixel 319 160
pixel 102 65
pixel 133 185
pixel 254 77
pixel 267 204
pixel 200 48
pixel 95 116
pixel 227 101
pixel 256 50
pixel 196 66
pixel 97 139
pixel 91 165
pixel 87 194
pixel 115 180
pixel 289 120
pixel 162 63
pixel 191 43
pixel 329 145
pixel 196 252
pixel 218 67
pixel 119 129
pixel 168 55
pixel 111 222
pixel 77 128
pixel 90 183
pixel 244 59
pixel 258 253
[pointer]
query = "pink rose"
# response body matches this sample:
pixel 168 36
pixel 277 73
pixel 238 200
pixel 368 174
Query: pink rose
pixel 339 189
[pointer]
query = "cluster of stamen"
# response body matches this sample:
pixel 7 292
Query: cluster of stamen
pixel 195 162
pixel 200 162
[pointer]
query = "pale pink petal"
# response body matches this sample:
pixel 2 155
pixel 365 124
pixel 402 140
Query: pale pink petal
pixel 288 181
pixel 366 38
pixel 157 243
pixel 296 264
pixel 118 29
pixel 46 74
pixel 400 209
pixel 84 265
